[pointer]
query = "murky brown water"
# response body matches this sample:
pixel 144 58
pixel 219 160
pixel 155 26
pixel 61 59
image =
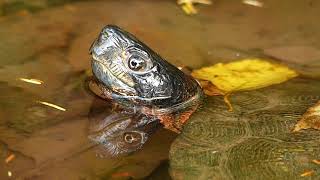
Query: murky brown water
pixel 50 42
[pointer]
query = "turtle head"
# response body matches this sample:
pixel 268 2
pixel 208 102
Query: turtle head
pixel 131 70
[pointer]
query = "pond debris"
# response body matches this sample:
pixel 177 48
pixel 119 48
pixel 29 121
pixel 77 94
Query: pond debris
pixel 316 161
pixel 253 3
pixel 10 158
pixel 52 105
pixel 9 173
pixel 32 81
pixel 310 119
pixel 245 74
pixel 307 173
pixel 241 75
pixel 227 101
pixel 188 5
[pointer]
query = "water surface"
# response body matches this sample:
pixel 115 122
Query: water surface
pixel 49 41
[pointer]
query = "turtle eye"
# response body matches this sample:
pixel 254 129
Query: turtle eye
pixel 137 63
pixel 137 60
pixel 132 138
pixel 129 138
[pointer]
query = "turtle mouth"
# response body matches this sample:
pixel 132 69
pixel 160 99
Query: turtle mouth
pixel 113 78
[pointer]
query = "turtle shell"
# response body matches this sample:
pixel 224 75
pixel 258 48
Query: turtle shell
pixel 255 141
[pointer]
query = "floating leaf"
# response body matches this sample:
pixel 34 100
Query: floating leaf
pixel 310 119
pixel 246 74
pixel 188 5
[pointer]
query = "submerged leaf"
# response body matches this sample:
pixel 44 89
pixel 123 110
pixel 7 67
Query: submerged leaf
pixel 310 119
pixel 247 74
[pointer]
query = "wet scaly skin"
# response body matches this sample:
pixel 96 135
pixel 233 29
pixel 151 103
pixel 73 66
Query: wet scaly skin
pixel 146 88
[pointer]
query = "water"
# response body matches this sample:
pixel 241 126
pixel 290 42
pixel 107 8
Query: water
pixel 49 41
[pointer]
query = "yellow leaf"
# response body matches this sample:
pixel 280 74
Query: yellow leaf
pixel 246 74
pixel 188 5
pixel 189 9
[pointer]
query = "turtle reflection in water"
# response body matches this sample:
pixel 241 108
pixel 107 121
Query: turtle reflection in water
pixel 146 92
pixel 253 142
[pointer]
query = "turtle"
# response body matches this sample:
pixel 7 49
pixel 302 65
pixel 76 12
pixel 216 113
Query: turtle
pixel 255 141
pixel 144 92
